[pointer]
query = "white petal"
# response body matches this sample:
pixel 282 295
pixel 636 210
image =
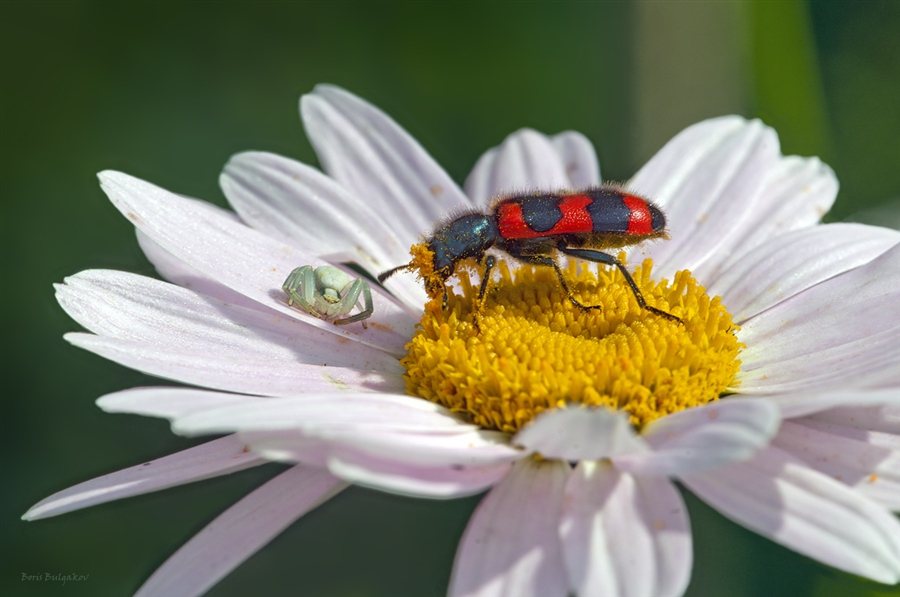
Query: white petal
pixel 240 532
pixel 525 161
pixel 510 546
pixel 841 331
pixel 793 262
pixel 886 372
pixel 299 205
pixel 289 446
pixel 178 272
pixel 441 482
pixel 794 195
pixel 203 411
pixel 868 461
pixel 780 497
pixel 891 441
pixel 246 374
pixel 885 417
pixel 239 257
pixel 805 403
pixel 704 438
pixel 705 178
pixel 219 457
pixel 580 434
pixel 170 403
pixel 674 164
pixel 375 159
pixel 460 447
pixel 166 317
pixel 579 159
pixel 624 535
pixel 479 184
pixel 347 410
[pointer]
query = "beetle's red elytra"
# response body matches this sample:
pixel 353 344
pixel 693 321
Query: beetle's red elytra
pixel 640 221
pixel 574 218
pixel 533 227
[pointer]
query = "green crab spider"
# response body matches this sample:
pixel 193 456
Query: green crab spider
pixel 328 293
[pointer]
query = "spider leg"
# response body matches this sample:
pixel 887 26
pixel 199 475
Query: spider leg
pixel 300 287
pixel 349 300
pixel 297 285
pixel 292 284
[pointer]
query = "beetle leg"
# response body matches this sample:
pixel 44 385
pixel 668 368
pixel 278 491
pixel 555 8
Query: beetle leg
pixel 598 257
pixel 489 261
pixel 357 287
pixel 549 262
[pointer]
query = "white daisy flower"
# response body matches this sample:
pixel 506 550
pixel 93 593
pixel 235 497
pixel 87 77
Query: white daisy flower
pixel 803 447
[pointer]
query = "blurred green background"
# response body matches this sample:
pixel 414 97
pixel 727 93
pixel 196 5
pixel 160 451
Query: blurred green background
pixel 168 91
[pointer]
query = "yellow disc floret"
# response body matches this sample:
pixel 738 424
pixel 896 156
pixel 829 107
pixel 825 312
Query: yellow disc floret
pixel 530 349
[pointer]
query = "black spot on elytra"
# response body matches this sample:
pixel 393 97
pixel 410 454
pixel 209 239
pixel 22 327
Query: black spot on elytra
pixel 541 212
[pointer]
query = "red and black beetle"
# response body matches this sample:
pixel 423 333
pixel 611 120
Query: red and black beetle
pixel 531 227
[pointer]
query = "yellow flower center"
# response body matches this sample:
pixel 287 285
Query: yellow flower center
pixel 532 350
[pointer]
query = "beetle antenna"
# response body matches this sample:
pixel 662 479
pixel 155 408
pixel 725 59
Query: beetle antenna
pixel 385 275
